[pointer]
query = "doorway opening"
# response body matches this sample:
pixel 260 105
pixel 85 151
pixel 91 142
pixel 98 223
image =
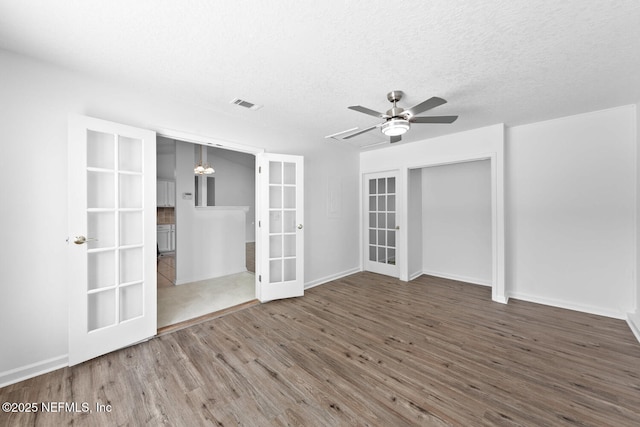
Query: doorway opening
pixel 450 221
pixel 208 263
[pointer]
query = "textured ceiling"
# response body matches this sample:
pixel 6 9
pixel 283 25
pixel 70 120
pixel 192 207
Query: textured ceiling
pixel 506 61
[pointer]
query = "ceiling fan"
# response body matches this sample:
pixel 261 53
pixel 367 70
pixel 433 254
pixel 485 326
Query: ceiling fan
pixel 397 120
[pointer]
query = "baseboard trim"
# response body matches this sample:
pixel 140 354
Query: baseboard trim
pixel 634 324
pixel 33 370
pixel 568 306
pixel 472 280
pixel 415 275
pixel 330 278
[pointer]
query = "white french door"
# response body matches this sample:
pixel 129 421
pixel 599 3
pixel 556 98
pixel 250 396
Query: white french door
pixel 381 223
pixel 280 245
pixel 112 236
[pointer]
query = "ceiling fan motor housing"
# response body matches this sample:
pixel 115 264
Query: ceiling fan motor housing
pixel 395 126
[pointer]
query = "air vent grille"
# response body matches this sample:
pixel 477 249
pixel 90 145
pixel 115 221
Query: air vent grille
pixel 245 104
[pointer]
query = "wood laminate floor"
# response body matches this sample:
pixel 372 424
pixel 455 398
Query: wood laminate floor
pixel 363 350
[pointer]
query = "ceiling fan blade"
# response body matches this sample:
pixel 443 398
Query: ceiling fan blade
pixel 396 138
pixel 361 132
pixel 425 105
pixel 367 111
pixel 434 119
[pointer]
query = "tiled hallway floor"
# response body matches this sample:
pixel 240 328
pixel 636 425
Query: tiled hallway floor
pixel 190 300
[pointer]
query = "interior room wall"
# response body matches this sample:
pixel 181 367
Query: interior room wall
pixel 36 101
pixel 210 242
pixel 235 183
pixel 571 209
pixel 456 221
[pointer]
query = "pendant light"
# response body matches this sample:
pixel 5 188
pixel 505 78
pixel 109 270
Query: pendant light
pixel 202 168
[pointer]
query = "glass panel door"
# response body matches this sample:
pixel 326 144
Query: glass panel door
pixel 112 250
pixel 381 223
pixel 281 265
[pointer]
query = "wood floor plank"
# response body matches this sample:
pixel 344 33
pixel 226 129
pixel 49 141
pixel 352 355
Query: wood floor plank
pixel 363 350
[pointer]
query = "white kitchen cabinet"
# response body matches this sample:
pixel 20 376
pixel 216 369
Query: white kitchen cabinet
pixel 166 193
pixel 166 237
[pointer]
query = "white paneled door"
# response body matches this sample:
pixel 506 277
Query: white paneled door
pixel 280 248
pixel 112 236
pixel 381 223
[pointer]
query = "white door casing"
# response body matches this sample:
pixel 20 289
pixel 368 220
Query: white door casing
pixel 280 231
pixel 112 201
pixel 381 223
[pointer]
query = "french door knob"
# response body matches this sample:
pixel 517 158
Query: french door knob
pixel 299 226
pixel 80 240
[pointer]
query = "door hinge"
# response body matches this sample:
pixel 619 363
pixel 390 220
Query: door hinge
pixel 259 224
pixel 259 169
pixel 260 278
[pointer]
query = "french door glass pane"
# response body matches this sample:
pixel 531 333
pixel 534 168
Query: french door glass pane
pixel 102 227
pixel 275 197
pixel 130 265
pixel 391 254
pixel 100 190
pixel 129 154
pixel 275 270
pixel 289 197
pixel 101 309
pixel 382 203
pixel 391 185
pixel 391 221
pixel 131 302
pixel 289 173
pixel 391 203
pixel 289 269
pixel 101 269
pixel 100 150
pixel 381 254
pixel 275 172
pixel 130 191
pixel 131 228
pixel 275 246
pixel 289 221
pixel 275 221
pixel 289 245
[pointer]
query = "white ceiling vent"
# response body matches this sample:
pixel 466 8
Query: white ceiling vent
pixel 245 104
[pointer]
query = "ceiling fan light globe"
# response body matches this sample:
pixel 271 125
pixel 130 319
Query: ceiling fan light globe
pixel 209 170
pixel 199 169
pixel 395 127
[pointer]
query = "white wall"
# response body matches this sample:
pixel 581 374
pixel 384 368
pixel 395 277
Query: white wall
pixel 209 242
pixel 35 103
pixel 571 209
pixel 235 183
pixel 456 221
